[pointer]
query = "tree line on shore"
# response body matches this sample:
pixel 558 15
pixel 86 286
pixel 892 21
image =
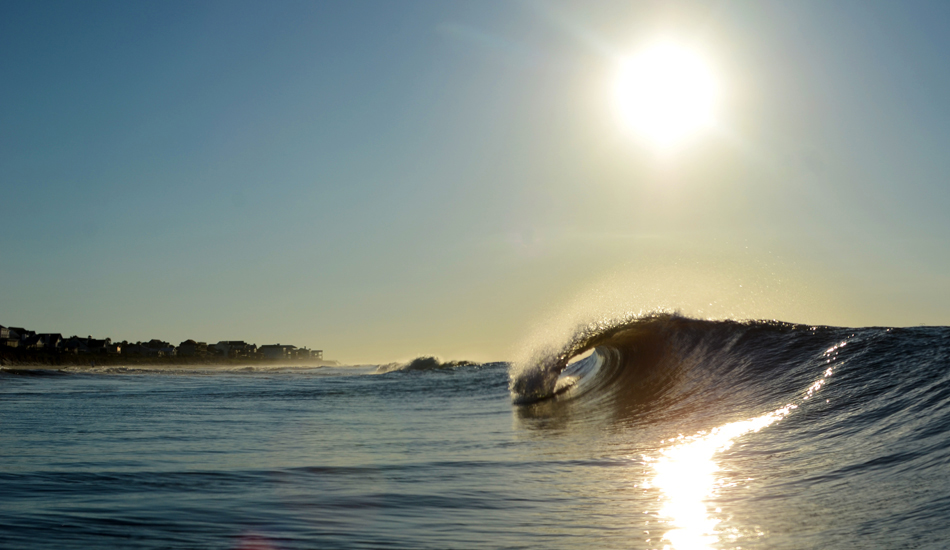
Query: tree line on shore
pixel 19 345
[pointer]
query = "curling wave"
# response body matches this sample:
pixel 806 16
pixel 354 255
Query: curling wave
pixel 667 358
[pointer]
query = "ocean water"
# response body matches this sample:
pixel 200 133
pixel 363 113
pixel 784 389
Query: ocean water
pixel 659 432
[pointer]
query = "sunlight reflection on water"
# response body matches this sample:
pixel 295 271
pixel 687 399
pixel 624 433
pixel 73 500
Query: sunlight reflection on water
pixel 686 474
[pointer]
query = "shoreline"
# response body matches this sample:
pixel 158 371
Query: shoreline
pixel 34 360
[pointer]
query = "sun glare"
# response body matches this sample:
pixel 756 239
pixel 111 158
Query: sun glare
pixel 666 94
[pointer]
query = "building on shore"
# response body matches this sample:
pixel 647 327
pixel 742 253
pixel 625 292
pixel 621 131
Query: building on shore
pixel 236 348
pixel 190 348
pixel 24 340
pixel 51 340
pixel 9 338
pixel 309 354
pixel 277 352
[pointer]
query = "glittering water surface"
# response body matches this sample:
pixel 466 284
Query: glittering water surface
pixel 688 435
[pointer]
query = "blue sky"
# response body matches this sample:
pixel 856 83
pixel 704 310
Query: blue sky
pixel 388 179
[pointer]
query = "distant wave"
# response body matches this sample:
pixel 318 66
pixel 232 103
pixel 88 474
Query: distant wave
pixel 31 372
pixel 425 363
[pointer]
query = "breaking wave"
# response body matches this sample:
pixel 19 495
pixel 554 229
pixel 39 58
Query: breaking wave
pixel 640 361
pixel 425 363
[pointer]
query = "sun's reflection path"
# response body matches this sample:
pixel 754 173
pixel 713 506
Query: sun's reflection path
pixel 685 473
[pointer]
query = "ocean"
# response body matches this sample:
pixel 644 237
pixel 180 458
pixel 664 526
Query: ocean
pixel 653 432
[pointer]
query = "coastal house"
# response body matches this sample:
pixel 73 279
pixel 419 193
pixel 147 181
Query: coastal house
pixel 152 348
pixel 190 348
pixel 222 347
pixel 312 354
pixel 277 352
pixel 32 342
pixel 88 344
pixel 94 345
pixel 289 353
pixel 51 340
pixel 236 348
pixel 135 349
pixel 6 339
pixel 21 333
pixel 75 344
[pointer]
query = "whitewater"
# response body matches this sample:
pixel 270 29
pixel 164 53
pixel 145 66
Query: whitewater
pixel 642 431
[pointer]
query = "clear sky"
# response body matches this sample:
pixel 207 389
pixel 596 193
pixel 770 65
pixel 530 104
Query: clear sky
pixel 388 179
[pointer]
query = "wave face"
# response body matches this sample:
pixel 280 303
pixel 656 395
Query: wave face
pixel 669 365
pixel 784 435
pixel 668 357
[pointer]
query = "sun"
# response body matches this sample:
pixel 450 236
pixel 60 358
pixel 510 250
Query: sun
pixel 666 94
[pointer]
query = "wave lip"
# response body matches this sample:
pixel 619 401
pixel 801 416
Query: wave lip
pixel 555 371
